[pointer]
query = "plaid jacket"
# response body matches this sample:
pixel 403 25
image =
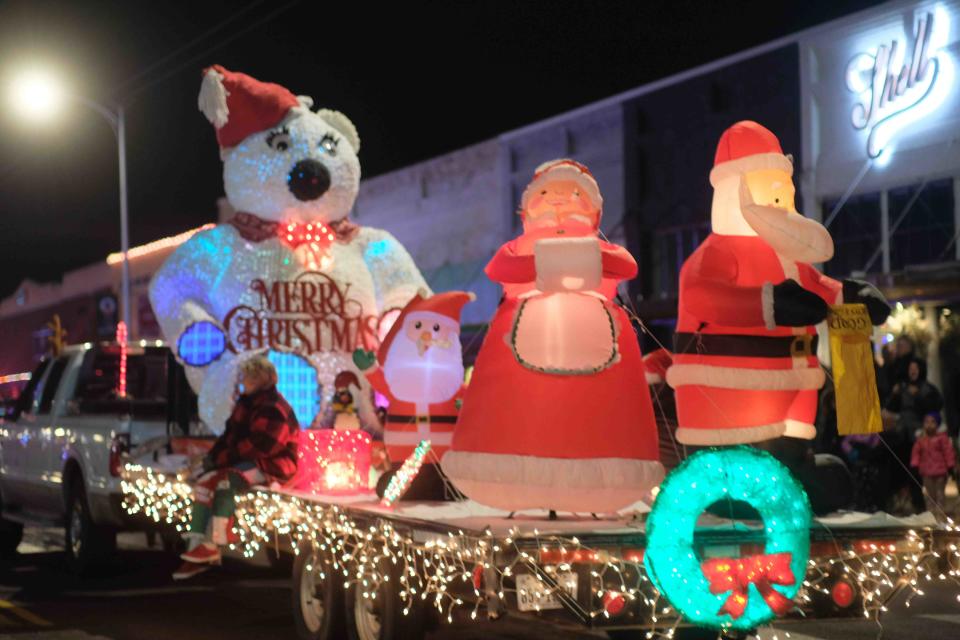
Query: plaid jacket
pixel 262 429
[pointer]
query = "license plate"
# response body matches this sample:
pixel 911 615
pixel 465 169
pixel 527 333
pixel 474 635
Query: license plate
pixel 534 595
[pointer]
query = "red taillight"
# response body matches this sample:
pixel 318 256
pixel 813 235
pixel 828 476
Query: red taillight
pixel 843 594
pixel 613 603
pixel 118 446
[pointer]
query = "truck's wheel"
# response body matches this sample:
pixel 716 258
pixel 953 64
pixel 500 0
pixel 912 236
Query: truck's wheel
pixel 88 545
pixel 382 617
pixel 11 534
pixel 318 611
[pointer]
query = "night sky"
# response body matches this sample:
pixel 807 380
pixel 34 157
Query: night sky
pixel 418 80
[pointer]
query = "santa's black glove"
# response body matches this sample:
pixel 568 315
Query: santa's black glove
pixel 858 291
pixel 794 306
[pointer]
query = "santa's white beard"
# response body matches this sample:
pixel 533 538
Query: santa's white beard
pixel 436 376
pixel 791 235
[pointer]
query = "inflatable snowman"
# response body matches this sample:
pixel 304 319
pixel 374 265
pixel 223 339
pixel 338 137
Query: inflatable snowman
pixel 289 274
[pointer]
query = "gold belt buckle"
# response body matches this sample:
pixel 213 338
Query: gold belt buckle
pixel 801 347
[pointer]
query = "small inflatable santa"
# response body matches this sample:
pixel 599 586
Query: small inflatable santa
pixel 419 368
pixel 745 366
pixel 557 414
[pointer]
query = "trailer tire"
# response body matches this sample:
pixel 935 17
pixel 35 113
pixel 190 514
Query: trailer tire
pixel 318 607
pixel 382 618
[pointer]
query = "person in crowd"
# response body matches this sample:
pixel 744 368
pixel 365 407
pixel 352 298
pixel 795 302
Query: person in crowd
pixel 914 398
pixel 909 402
pixel 863 452
pixel 886 371
pixel 905 353
pixel 828 438
pixel 258 446
pixel 933 456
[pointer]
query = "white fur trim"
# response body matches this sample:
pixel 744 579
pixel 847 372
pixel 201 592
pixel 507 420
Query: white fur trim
pixel 564 172
pixel 755 162
pixel 513 482
pixel 707 375
pixel 342 124
pixel 766 302
pixel 212 100
pixel 735 435
pixel 653 378
pixel 802 430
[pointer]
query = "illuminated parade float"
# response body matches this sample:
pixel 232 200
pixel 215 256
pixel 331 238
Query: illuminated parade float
pixel 535 481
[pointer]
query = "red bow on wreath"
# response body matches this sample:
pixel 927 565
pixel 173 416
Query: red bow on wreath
pixel 737 574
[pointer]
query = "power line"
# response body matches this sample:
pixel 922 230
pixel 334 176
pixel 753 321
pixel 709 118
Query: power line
pixel 173 54
pixel 270 16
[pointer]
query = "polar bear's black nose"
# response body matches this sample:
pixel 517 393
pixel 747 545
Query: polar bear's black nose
pixel 308 180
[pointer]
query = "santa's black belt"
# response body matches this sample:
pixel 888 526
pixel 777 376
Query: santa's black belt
pixel 416 419
pixel 708 344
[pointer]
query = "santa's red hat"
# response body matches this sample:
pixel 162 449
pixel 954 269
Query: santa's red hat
pixel 238 105
pixel 748 146
pixel 448 304
pixel 563 169
pixel 655 365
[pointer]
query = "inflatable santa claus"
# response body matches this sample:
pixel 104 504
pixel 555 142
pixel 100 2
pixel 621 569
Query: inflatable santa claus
pixel 419 369
pixel 557 415
pixel 745 366
pixel 289 274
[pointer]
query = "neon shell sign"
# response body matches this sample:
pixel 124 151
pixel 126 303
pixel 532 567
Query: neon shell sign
pixel 896 85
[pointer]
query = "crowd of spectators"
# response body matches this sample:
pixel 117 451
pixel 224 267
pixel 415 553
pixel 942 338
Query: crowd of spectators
pixel 904 469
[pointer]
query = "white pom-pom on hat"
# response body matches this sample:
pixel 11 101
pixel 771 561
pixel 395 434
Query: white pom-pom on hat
pixel 213 98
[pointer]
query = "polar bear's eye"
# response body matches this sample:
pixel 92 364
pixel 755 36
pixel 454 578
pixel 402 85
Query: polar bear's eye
pixel 279 140
pixel 328 144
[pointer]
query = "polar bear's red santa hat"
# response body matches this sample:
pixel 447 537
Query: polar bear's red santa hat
pixel 238 105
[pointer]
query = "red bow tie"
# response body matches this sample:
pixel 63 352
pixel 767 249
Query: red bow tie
pixel 310 241
pixel 315 234
pixel 737 574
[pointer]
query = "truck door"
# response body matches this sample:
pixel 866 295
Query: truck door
pixel 42 490
pixel 15 436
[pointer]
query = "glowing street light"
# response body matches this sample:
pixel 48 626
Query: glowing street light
pixel 37 95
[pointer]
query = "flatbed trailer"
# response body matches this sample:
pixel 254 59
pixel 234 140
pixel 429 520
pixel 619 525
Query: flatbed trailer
pixel 365 570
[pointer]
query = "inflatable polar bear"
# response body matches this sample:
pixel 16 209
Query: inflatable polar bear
pixel 289 274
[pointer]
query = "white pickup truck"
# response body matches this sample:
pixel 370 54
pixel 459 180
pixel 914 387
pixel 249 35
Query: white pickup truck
pixel 61 445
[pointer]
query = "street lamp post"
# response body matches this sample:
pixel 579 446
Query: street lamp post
pixel 39 94
pixel 117 122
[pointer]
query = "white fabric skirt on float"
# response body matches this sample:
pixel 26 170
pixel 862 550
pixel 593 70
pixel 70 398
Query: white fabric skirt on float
pixel 515 482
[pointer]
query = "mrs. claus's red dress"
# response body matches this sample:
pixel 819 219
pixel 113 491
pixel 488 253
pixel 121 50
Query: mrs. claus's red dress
pixel 532 436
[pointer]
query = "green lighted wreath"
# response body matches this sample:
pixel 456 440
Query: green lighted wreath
pixel 729 593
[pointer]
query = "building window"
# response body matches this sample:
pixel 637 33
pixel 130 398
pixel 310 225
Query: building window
pixel 926 223
pixel 856 234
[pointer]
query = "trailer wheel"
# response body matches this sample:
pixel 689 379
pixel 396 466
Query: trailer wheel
pixel 382 617
pixel 318 611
